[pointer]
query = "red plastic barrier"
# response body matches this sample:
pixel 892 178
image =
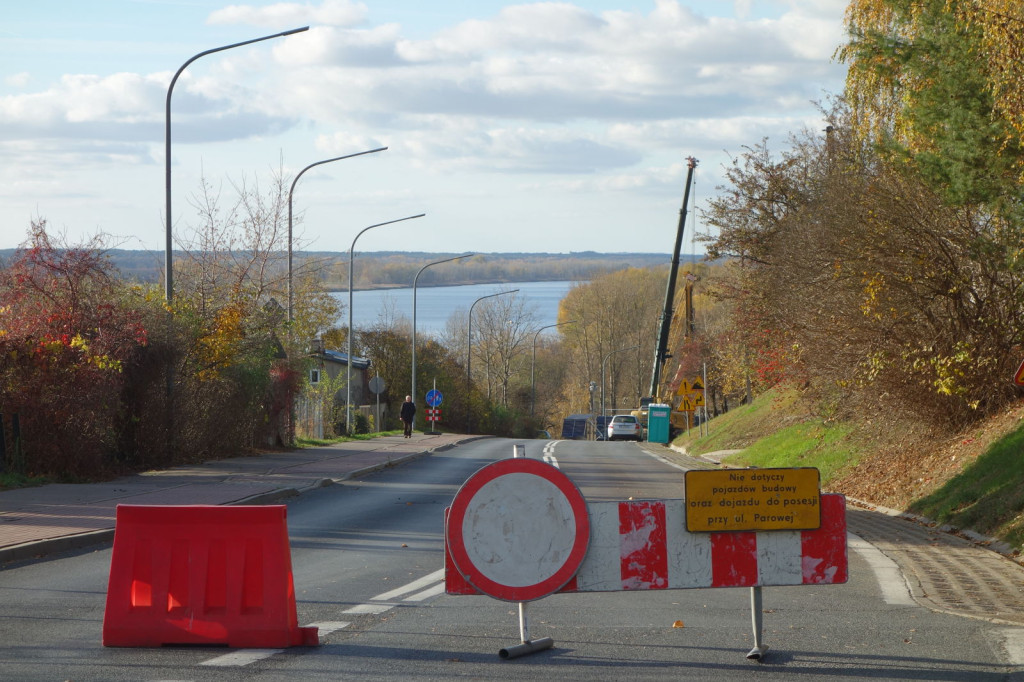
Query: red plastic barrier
pixel 202 575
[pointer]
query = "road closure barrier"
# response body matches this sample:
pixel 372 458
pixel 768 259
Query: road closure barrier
pixel 202 575
pixel 644 545
pixel 519 530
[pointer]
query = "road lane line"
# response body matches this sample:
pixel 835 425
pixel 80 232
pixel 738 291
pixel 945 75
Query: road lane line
pixel 426 594
pixel 890 579
pixel 411 587
pixel 549 455
pixel 241 658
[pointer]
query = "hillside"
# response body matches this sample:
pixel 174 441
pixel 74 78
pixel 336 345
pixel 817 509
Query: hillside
pixel 970 480
pixel 388 269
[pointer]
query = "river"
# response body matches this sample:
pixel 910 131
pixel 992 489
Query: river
pixel 434 305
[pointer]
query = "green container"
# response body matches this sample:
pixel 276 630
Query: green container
pixel 658 423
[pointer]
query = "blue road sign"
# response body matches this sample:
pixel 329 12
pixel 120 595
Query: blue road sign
pixel 434 397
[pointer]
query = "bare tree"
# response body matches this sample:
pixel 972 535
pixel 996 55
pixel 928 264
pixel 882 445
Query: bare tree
pixel 502 343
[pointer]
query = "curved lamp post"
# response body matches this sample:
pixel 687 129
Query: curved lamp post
pixel 290 191
pixel 348 363
pixel 169 258
pixel 533 362
pixel 169 246
pixel 604 364
pixel 469 354
pixel 414 281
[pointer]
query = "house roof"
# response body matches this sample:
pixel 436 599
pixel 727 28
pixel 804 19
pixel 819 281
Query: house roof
pixel 342 359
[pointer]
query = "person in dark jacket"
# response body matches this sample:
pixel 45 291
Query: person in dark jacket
pixel 407 414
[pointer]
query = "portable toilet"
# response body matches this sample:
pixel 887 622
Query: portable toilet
pixel 658 422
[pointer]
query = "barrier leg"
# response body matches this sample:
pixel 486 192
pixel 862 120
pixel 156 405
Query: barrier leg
pixel 756 616
pixel 527 646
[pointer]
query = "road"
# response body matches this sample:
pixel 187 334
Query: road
pixel 367 558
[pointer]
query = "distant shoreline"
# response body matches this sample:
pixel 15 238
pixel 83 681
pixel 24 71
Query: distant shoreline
pixel 386 287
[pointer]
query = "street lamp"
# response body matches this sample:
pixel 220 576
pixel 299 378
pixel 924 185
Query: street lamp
pixel 414 281
pixel 348 363
pixel 604 364
pixel 469 354
pixel 169 246
pixel 292 189
pixel 533 362
pixel 168 257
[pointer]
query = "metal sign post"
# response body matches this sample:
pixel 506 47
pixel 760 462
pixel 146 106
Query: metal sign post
pixel 551 516
pixel 434 399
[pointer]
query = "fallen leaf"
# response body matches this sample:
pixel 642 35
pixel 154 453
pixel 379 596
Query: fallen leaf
pixel 678 624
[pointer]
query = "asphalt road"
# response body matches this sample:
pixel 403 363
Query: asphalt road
pixel 367 556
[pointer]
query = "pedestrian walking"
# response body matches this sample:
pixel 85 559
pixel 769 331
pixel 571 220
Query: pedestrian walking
pixel 407 415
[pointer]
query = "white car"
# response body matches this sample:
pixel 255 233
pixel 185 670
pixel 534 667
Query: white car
pixel 624 427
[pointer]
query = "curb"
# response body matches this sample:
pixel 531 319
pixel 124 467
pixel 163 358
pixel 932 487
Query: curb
pixel 984 541
pixel 36 549
pixel 69 543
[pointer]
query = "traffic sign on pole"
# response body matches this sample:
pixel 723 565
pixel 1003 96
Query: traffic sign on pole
pixel 434 397
pixel 518 530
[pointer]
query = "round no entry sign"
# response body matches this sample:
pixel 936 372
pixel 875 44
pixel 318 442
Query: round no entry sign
pixel 518 529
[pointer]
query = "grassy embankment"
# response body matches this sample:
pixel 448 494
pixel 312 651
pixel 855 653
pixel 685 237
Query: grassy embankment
pixel 984 493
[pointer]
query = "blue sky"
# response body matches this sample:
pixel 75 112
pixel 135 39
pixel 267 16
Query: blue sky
pixel 556 127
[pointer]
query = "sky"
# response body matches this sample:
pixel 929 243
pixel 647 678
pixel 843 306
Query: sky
pixel 550 127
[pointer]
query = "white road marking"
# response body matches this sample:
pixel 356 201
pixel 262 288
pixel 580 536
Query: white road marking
pixel 240 658
pixel 549 454
pixel 249 656
pixel 426 594
pixel 327 627
pixel 1012 642
pixel 411 587
pixel 890 579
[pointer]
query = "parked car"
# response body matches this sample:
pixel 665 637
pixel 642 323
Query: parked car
pixel 624 427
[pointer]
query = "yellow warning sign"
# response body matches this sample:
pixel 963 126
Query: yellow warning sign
pixel 684 387
pixel 697 384
pixel 698 399
pixel 752 499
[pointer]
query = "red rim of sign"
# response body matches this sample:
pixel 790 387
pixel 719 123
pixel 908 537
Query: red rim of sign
pixel 457 515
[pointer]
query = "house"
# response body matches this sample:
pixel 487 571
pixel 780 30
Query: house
pixel 319 414
pixel 330 364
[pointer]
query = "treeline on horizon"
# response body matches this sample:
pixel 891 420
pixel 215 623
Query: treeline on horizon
pixel 393 269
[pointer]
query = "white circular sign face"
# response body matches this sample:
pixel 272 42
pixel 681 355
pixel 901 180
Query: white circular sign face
pixel 518 530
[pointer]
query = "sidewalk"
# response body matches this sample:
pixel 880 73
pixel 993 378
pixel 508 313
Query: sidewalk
pixel 950 570
pixel 61 517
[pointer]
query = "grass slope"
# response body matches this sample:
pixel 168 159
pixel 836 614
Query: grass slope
pixel 777 430
pixel 972 480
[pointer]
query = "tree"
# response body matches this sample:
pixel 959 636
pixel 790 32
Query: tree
pixel 503 327
pixel 871 285
pixel 234 350
pixel 388 345
pixel 611 313
pixel 937 83
pixel 70 335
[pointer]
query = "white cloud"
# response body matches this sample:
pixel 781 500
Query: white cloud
pixel 605 102
pixel 286 14
pixel 124 98
pixel 326 45
pixel 18 80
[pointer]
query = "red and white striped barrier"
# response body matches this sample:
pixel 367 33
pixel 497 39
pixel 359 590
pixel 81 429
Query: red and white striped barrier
pixel 644 545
